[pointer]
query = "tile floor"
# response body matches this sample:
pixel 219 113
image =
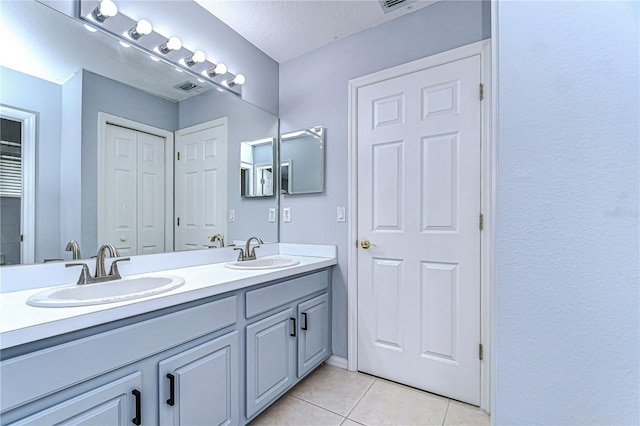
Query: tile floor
pixel 333 396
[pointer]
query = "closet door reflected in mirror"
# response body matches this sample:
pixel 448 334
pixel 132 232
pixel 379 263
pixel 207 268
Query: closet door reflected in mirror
pixel 302 161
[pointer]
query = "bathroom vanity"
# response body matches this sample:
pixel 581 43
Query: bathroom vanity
pixel 218 350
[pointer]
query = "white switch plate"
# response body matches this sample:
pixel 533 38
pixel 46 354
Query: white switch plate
pixel 341 214
pixel 232 215
pixel 272 215
pixel 286 214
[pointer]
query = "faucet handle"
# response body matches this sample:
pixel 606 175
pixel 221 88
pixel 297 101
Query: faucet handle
pixel 85 275
pixel 241 254
pixel 113 271
pixel 253 252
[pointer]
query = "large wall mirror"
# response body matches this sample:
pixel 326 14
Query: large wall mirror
pixel 302 161
pixel 109 125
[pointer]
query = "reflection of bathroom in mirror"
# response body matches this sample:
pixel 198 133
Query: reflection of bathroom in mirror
pixel 302 161
pixel 256 168
pixel 66 90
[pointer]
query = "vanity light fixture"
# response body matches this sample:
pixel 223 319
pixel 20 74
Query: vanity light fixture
pixel 219 69
pixel 236 81
pixel 106 9
pixel 142 28
pixel 196 58
pixel 173 43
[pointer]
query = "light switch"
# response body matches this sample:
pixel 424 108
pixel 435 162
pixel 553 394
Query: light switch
pixel 232 215
pixel 272 215
pixel 341 216
pixel 286 214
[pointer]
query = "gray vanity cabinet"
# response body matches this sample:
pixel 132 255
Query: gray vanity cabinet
pixel 314 338
pixel 270 359
pixel 290 341
pixel 113 404
pixel 200 386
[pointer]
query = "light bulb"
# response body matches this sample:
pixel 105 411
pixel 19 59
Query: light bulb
pixel 221 68
pixel 173 43
pixel 197 57
pixel 106 9
pixel 236 81
pixel 217 70
pixel 142 28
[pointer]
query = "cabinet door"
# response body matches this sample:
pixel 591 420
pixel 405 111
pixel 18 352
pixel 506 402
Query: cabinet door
pixel 314 339
pixel 108 405
pixel 200 386
pixel 270 359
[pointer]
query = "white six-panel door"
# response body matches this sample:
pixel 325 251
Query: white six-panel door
pixel 418 150
pixel 201 184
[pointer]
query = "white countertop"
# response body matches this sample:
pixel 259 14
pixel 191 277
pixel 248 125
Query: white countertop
pixel 21 323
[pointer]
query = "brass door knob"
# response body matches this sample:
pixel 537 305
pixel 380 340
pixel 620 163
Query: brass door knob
pixel 366 244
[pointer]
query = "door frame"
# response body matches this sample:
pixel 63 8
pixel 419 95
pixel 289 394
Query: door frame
pixel 28 198
pixel 488 192
pixel 103 120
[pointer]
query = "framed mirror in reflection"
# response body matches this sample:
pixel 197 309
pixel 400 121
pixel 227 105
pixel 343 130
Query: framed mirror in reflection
pixel 302 161
pixel 109 124
pixel 256 168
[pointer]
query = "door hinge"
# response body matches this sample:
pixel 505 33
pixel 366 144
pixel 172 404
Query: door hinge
pixel 480 221
pixel 22 238
pixel 178 221
pixel 481 91
pixel 480 352
pixel 178 155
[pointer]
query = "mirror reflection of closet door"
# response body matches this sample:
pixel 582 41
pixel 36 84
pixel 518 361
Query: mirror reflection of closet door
pixel 135 193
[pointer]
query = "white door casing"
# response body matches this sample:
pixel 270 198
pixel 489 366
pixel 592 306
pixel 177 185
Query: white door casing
pixel 28 199
pixel 201 184
pixel 156 219
pixel 134 191
pixel 434 259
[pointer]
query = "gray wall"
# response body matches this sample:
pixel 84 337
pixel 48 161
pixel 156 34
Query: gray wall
pixel 568 213
pixel 24 92
pixel 314 92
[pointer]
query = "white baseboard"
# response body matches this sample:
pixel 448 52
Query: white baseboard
pixel 336 361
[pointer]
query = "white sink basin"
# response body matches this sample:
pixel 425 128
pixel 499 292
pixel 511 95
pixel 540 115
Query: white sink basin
pixel 107 292
pixel 264 263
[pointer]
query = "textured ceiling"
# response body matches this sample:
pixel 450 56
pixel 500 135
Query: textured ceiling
pixel 286 29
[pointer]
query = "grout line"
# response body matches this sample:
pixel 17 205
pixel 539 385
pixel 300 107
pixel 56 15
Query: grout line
pixel 360 399
pixel 444 419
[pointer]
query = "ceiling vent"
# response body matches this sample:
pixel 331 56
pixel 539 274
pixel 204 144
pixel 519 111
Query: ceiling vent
pixel 187 86
pixel 391 5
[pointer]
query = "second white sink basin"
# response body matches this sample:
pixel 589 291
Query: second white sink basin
pixel 264 263
pixel 107 292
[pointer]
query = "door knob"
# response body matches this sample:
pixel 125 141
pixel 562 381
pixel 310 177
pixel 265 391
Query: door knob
pixel 366 244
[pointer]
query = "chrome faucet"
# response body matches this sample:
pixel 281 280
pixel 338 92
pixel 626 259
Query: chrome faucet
pixel 73 247
pixel 100 275
pixel 217 237
pixel 113 252
pixel 249 252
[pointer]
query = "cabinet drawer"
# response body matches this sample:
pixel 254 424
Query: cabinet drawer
pixel 273 296
pixel 28 377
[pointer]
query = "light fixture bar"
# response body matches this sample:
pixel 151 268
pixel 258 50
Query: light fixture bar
pixel 134 30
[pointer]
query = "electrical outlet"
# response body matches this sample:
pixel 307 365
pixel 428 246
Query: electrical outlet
pixel 286 214
pixel 272 215
pixel 341 216
pixel 232 215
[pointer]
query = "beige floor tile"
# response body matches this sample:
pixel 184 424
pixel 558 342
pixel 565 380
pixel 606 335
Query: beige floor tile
pixel 293 411
pixel 460 414
pixel 386 403
pixel 333 388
